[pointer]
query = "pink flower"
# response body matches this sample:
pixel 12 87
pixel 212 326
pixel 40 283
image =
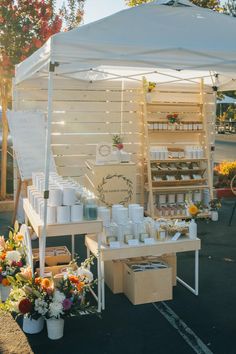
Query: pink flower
pixel 67 304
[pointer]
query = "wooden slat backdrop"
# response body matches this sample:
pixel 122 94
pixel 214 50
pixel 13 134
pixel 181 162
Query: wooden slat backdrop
pixel 85 114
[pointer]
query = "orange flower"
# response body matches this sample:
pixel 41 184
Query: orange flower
pixel 37 280
pixel 80 285
pixel 19 237
pixel 46 283
pixel 73 279
pixel 193 209
pixel 5 282
pixel 0 269
pixel 3 256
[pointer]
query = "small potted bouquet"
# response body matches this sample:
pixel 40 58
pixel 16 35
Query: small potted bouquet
pixel 215 205
pixel 192 210
pixel 117 142
pixel 173 118
pixel 150 88
pixel 12 259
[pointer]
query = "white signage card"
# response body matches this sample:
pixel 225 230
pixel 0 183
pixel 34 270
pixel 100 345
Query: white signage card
pixel 176 236
pixel 114 244
pixel 149 241
pixel 133 242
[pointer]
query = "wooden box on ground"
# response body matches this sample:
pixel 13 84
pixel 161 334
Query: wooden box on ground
pixel 171 260
pixel 54 255
pixel 51 271
pixel 150 285
pixel 113 184
pixel 113 273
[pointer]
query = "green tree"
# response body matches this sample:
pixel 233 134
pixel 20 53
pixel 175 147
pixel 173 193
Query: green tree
pixel 211 4
pixel 73 13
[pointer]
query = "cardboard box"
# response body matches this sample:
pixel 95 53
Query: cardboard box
pixel 53 270
pixel 54 255
pixel 150 285
pixel 171 260
pixel 113 273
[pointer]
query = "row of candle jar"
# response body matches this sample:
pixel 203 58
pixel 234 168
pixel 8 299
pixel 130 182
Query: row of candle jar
pixel 172 198
pixel 194 152
pixel 159 153
pixel 165 211
pixel 175 126
pixel 120 214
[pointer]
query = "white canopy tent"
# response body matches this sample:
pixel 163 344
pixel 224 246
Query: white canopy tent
pixel 165 41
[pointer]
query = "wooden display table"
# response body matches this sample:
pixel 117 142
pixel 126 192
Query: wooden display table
pixel 157 249
pixel 79 228
pixel 112 183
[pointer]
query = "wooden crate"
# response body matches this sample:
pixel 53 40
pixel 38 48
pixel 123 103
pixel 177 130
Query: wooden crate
pixel 54 255
pixel 114 183
pixel 150 285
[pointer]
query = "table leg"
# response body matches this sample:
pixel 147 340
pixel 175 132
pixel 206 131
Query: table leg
pixel 103 285
pixel 196 272
pixel 99 274
pixel 73 246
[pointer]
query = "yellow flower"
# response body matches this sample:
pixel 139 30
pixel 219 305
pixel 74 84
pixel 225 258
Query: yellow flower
pixel 19 238
pixel 193 210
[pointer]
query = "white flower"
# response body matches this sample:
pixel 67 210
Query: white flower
pixel 85 275
pixel 40 306
pixel 13 256
pixel 58 296
pixel 55 309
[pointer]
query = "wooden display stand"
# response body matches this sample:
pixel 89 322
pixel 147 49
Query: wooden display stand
pixel 192 129
pixel 159 248
pixel 112 183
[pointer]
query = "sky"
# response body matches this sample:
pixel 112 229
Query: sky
pixel 97 9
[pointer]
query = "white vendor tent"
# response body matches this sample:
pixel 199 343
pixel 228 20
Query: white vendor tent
pixel 165 41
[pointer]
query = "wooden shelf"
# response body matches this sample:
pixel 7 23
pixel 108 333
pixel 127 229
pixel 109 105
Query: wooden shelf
pixel 178 183
pixel 177 171
pixel 174 131
pixel 178 160
pixel 183 216
pixel 176 188
pixel 180 104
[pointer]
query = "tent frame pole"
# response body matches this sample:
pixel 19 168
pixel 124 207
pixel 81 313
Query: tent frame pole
pixel 42 240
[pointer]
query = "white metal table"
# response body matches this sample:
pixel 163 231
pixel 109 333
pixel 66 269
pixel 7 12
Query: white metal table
pixel 78 228
pixel 105 253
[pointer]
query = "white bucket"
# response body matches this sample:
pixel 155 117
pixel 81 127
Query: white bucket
pixel 214 215
pixel 32 326
pixel 55 328
pixel 5 291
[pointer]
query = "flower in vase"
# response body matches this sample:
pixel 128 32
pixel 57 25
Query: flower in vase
pixel 85 275
pixel 13 256
pixel 25 306
pixel 67 303
pixel 193 210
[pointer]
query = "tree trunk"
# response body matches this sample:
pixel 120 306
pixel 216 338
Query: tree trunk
pixel 4 96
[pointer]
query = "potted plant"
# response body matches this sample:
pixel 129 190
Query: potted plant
pixel 12 259
pixel 224 173
pixel 150 88
pixel 215 205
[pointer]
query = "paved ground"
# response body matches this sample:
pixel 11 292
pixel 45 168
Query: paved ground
pixel 225 147
pixel 144 329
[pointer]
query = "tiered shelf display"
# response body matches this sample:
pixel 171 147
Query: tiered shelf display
pixel 177 151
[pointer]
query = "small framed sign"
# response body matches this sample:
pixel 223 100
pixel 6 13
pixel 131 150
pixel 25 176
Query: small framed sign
pixel 104 153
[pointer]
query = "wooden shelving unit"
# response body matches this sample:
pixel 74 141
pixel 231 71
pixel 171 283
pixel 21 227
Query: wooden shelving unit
pixel 160 172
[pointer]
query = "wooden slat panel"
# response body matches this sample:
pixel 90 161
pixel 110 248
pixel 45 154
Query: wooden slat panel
pixel 80 106
pixel 183 116
pixel 60 83
pixel 95 128
pixel 92 139
pixel 82 149
pixel 73 95
pixel 94 117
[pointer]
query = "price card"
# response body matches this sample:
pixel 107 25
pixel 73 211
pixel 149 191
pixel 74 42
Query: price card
pixel 133 242
pixel 176 236
pixel 114 244
pixel 149 241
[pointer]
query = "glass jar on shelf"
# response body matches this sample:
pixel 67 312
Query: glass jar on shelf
pixel 90 207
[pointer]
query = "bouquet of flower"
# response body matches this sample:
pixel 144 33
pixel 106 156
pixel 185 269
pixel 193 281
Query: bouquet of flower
pixel 173 118
pixel 215 204
pixel 225 171
pixel 12 255
pixel 35 296
pixel 117 142
pixel 192 209
pixel 151 86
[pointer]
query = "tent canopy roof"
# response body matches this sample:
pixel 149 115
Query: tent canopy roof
pixel 177 39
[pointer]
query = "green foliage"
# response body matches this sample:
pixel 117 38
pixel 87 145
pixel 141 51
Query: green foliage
pixel 73 13
pixel 211 4
pixel 230 7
